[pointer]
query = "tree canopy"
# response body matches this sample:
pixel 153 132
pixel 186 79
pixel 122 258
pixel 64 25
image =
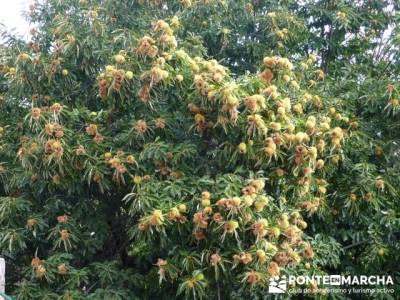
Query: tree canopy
pixel 196 149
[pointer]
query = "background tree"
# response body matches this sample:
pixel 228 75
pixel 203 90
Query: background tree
pixel 139 160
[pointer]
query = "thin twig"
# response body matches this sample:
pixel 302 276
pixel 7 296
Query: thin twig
pixel 354 245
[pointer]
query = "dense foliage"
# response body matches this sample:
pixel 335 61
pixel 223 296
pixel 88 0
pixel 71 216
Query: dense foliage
pixel 195 149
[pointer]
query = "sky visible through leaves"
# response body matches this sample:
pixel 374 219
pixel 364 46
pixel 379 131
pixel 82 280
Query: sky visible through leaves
pixel 11 15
